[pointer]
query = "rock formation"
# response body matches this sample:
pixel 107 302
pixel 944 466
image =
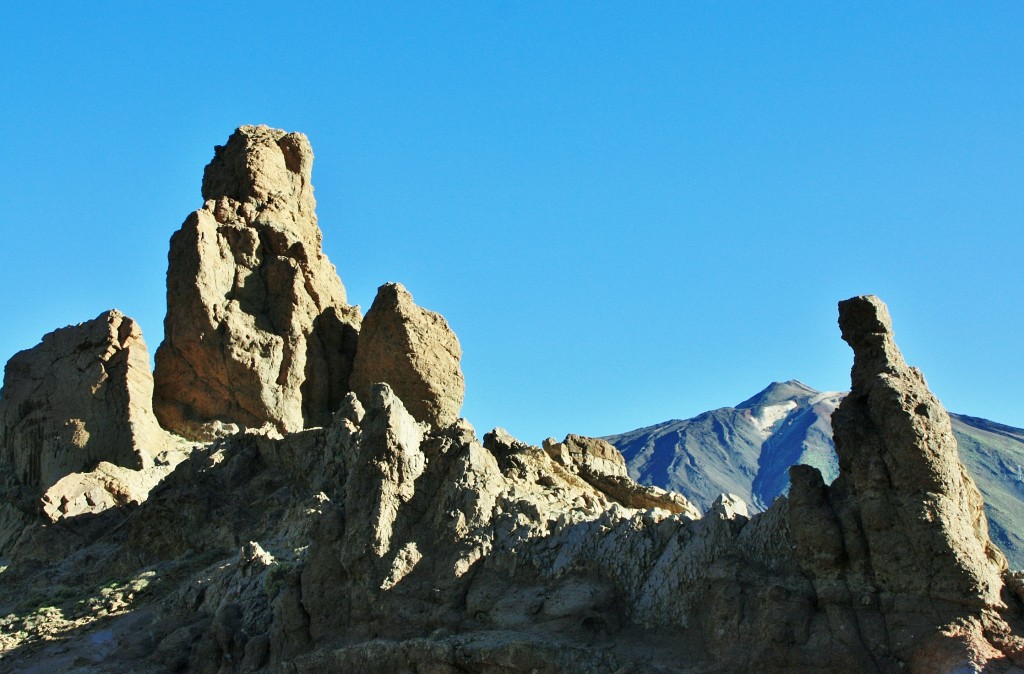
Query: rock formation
pixel 106 486
pixel 898 546
pixel 604 468
pixel 81 396
pixel 257 327
pixel 413 351
pixel 921 514
pixel 748 449
pixel 389 538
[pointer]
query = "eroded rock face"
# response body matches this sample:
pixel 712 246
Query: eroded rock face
pixel 391 539
pixel 81 396
pixel 898 546
pixel 105 487
pixel 257 327
pixel 921 512
pixel 413 351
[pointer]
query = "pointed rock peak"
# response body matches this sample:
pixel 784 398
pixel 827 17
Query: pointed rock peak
pixel 415 352
pixel 919 510
pixel 867 328
pixel 780 392
pixel 729 507
pixel 261 165
pixel 392 294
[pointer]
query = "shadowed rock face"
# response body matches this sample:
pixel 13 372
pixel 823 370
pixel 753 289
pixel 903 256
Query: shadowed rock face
pixel 413 351
pixel 83 395
pixel 922 515
pixel 898 546
pixel 257 327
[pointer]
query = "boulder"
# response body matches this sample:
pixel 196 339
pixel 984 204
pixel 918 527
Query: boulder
pixel 257 328
pixel 413 351
pixel 81 396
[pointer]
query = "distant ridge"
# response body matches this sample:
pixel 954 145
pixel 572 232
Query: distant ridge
pixel 747 450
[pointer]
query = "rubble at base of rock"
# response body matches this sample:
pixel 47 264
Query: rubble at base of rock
pixel 360 525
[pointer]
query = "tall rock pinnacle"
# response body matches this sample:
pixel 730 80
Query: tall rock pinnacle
pixel 257 328
pixel 922 515
pixel 898 545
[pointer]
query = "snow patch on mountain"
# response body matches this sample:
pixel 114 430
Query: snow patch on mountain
pixel 767 418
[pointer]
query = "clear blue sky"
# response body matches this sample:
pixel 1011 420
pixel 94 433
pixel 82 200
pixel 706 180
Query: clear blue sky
pixel 628 212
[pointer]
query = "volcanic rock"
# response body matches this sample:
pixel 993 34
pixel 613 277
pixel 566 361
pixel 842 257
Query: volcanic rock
pixel 105 487
pixel 81 396
pixel 257 327
pixel 413 351
pixel 898 546
pixel 921 514
pixel 603 467
pixel 388 538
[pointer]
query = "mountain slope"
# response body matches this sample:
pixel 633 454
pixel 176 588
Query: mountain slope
pixel 744 450
pixel 747 450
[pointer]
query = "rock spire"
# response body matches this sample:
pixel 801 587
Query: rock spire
pixel 897 547
pixel 257 328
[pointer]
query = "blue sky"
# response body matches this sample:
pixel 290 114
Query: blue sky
pixel 628 212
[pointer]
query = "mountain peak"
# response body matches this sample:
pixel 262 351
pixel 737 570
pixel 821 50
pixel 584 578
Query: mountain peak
pixel 779 392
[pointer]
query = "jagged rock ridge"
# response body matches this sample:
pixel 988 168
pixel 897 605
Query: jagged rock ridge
pixel 383 542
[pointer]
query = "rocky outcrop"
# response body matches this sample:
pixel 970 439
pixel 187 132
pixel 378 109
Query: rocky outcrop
pixel 898 546
pixel 921 514
pixel 413 351
pixel 81 396
pixel 381 543
pixel 106 486
pixel 604 468
pixel 387 537
pixel 257 328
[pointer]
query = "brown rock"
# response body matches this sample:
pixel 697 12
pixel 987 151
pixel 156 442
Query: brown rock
pixel 415 352
pixel 81 396
pixel 257 327
pixel 107 486
pixel 385 545
pixel 603 467
pixel 386 463
pixel 897 547
pixel 922 515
